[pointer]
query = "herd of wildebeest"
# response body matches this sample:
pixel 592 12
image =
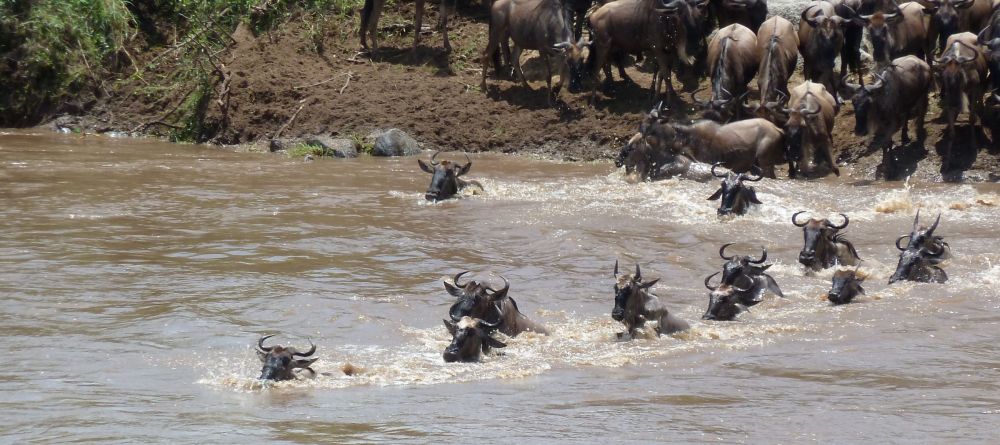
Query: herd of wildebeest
pixel 950 45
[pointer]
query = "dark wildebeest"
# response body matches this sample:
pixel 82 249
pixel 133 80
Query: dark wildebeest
pixel 899 94
pixel 854 28
pixel 961 74
pixel 542 25
pixel 639 27
pixel 734 197
pixel 821 39
pixel 737 145
pixel 778 50
pixel 445 181
pixel 918 260
pixel 846 285
pixel 809 131
pixel 823 246
pixel 752 271
pixel 578 14
pixel 899 33
pixel 373 9
pixel 732 64
pixel 749 13
pixel 949 17
pixel 922 237
pixel 476 300
pixel 635 305
pixel 470 338
pixel 648 155
pixel 723 301
pixel 989 37
pixel 281 363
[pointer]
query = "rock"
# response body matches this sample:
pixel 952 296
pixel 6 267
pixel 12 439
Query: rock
pixel 338 148
pixel 393 142
pixel 284 144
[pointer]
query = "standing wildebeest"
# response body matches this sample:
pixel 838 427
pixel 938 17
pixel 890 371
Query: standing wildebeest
pixel 738 145
pixel 854 28
pixel 961 74
pixel 821 39
pixel 749 13
pixel 922 237
pixel 949 17
pixel 823 246
pixel 899 33
pixel 778 50
pixel 477 300
pixel 734 197
pixel 750 269
pixel 884 107
pixel 635 305
pixel 845 285
pixel 373 9
pixel 989 37
pixel 732 63
pixel 542 25
pixel 470 337
pixel 723 301
pixel 445 181
pixel 809 131
pixel 641 26
pixel 280 362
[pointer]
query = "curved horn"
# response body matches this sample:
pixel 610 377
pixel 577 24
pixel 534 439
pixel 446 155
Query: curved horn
pixel 722 251
pixel 795 222
pixel 260 343
pixel 481 322
pixel 638 273
pixel 811 111
pixel 467 159
pixel 713 170
pixel 457 276
pixel 916 222
pixel 930 231
pixel 433 162
pixel 754 170
pixel 840 227
pixel 901 248
pixel 616 268
pixel 763 256
pixel 709 278
pixel 739 289
pixel 700 103
pixel 506 286
pixel 311 350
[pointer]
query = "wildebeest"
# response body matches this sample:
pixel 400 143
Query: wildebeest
pixel 961 74
pixel 949 17
pixel 850 53
pixel 542 25
pixel 635 304
pixel 989 37
pixel 737 145
pixel 778 50
pixel 924 251
pixel 723 301
pixel 373 9
pixel 734 197
pixel 821 39
pixel 923 237
pixel 732 63
pixel 899 33
pixel 470 338
pixel 749 13
pixel 823 245
pixel 884 107
pixel 477 300
pixel 845 285
pixel 445 181
pixel 752 272
pixel 648 155
pixel 281 363
pixel 809 131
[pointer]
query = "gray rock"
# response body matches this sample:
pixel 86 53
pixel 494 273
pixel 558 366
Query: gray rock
pixel 284 143
pixel 394 142
pixel 339 148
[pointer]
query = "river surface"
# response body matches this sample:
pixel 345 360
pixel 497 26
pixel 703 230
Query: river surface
pixel 137 275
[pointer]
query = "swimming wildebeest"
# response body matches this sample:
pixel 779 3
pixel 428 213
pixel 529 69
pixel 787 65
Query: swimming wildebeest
pixel 919 259
pixel 470 337
pixel 648 155
pixel 752 272
pixel 635 305
pixel 723 301
pixel 734 197
pixel 445 182
pixel 846 285
pixel 809 131
pixel 477 300
pixel 823 246
pixel 373 9
pixel 738 145
pixel 281 363
pixel 899 33
pixel 923 237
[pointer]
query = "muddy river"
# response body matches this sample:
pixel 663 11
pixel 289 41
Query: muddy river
pixel 136 276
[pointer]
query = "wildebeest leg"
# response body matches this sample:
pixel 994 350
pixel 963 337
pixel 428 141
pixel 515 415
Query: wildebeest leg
pixel 444 24
pixel 369 22
pixel 663 68
pixel 920 112
pixel 515 59
pixel 548 77
pixel 418 21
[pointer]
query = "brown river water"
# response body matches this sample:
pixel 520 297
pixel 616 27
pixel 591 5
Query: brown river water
pixel 136 276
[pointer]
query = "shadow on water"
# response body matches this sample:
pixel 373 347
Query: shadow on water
pixel 903 160
pixel 959 153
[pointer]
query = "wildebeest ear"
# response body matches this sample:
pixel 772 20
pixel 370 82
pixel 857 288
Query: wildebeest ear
pixel 454 291
pixel 861 290
pixel 452 327
pixel 492 342
pixel 464 169
pixel 649 284
pixel 425 167
pixel 753 198
pixel 716 195
pixel 303 362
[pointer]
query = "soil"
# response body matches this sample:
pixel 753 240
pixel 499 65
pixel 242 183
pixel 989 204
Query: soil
pixel 279 83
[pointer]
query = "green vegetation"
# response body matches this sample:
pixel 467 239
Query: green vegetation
pixel 363 146
pixel 301 150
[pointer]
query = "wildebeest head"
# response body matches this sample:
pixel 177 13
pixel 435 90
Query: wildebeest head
pixel 878 31
pixel 923 251
pixel 863 98
pixel 818 235
pixel 475 299
pixel 944 16
pixel 806 114
pixel 829 32
pixel 734 196
pixel 845 286
pixel 444 179
pixel 772 110
pixel 723 106
pixel 741 266
pixel 279 361
pixel 723 301
pixel 650 148
pixel 627 288
pixel 922 237
pixel 469 338
pixel 951 74
pixel 989 38
pixel 575 62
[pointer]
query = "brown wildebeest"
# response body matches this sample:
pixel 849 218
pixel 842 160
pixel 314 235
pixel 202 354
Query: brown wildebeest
pixel 821 39
pixel 635 305
pixel 648 155
pixel 809 131
pixel 823 246
pixel 542 25
pixel 845 285
pixel 735 198
pixel 475 299
pixel 899 33
pixel 961 74
pixel 373 9
pixel 737 145
pixel 749 13
pixel 778 50
pixel 950 17
pixel 470 338
pixel 732 64
pixel 280 363
pixel 445 181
